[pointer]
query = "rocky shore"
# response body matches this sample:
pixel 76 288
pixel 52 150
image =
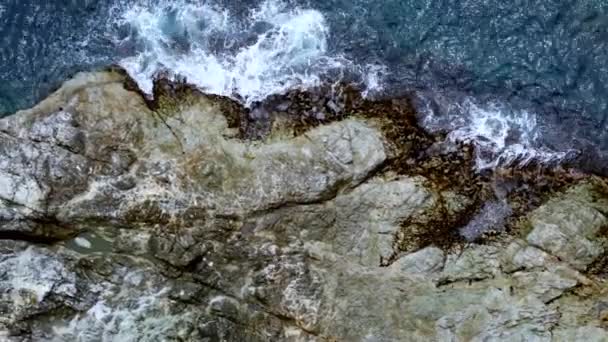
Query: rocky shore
pixel 314 216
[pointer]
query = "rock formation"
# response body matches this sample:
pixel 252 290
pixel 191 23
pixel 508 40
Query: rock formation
pixel 188 218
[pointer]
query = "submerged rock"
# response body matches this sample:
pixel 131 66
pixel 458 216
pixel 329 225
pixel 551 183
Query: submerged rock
pixel 129 219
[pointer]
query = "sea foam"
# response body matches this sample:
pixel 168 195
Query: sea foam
pixel 502 136
pixel 275 47
pixel 271 49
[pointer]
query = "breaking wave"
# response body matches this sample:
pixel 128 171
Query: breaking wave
pixel 502 136
pixel 268 50
pixel 276 47
pixel 248 50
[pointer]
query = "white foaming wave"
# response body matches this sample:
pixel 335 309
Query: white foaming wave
pixel 284 48
pixel 502 137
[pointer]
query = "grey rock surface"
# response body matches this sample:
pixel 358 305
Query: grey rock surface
pixel 120 223
pixel 568 227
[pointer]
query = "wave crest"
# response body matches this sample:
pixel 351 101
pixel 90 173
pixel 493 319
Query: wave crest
pixel 269 50
pixel 503 137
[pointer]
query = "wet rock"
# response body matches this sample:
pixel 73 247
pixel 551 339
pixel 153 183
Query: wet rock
pixel 337 230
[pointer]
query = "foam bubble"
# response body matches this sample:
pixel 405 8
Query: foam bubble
pixel 274 49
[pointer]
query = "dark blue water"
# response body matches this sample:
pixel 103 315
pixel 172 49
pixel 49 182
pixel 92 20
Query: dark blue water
pixel 41 43
pixel 549 57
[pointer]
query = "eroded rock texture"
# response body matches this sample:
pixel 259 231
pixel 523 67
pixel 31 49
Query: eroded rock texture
pixel 126 220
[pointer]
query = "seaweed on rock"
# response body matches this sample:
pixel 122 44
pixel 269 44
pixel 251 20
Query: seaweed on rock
pixel 448 167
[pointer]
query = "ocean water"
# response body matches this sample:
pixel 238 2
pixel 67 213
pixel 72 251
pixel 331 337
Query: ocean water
pixel 525 81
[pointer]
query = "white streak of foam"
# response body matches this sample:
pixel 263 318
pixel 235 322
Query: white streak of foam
pixel 502 137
